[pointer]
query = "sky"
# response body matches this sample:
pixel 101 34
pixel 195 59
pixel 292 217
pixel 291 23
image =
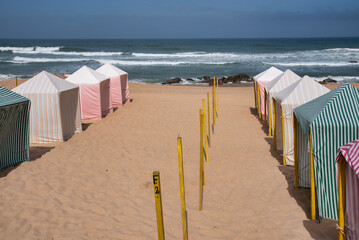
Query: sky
pixel 107 19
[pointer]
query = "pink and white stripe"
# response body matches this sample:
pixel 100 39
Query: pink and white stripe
pixel 350 152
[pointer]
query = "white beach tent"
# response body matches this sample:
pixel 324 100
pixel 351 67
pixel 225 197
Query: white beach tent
pixel 277 84
pixel 55 109
pixel 260 80
pixel 300 92
pixel 95 97
pixel 119 82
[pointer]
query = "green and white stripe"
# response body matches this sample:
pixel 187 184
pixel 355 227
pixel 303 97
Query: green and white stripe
pixel 14 128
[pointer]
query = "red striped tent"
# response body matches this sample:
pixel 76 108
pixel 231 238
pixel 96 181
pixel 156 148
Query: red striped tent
pixel 55 111
pixel 348 189
pixel 95 94
pixel 119 83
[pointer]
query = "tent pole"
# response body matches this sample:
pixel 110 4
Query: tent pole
pixel 283 138
pixel 341 195
pixel 265 108
pixel 255 96
pixel 296 179
pixel 269 118
pixel 274 125
pixel 259 103
pixel 312 184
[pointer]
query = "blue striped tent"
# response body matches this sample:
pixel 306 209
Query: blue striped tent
pixel 329 122
pixel 14 128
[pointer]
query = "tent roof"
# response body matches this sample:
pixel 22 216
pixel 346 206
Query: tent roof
pixel 300 90
pixel 110 70
pixel 86 75
pixel 8 97
pixel 282 81
pixel 44 82
pixel 307 113
pixel 350 152
pixel 268 75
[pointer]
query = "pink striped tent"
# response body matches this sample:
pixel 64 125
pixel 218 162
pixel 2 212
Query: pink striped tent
pixel 55 113
pixel 348 159
pixel 300 92
pixel 277 84
pixel 260 80
pixel 119 83
pixel 95 97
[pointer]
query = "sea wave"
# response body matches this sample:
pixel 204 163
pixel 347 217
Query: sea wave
pixel 159 63
pixel 312 64
pixel 338 78
pixel 24 60
pixel 30 50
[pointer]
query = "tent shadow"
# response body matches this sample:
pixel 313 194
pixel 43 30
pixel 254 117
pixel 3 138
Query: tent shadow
pixel 85 126
pixel 35 153
pixel 326 229
pixel 115 109
pixel 264 127
pixel 277 154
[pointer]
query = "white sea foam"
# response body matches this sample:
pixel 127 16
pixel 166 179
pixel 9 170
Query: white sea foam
pixel 159 63
pixel 30 50
pixel 312 64
pixel 24 60
pixel 338 78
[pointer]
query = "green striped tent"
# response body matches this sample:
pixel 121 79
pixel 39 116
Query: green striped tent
pixel 14 128
pixel 331 120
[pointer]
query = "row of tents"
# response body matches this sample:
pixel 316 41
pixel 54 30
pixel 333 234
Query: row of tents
pixel 310 124
pixel 47 108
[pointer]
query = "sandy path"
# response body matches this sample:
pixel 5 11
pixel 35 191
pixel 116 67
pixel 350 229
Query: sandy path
pixel 98 184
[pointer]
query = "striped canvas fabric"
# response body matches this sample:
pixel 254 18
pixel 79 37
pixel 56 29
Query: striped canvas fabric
pixel 333 120
pixel 350 152
pixel 55 114
pixel 119 83
pixel 277 84
pixel 261 80
pixel 14 128
pixel 300 92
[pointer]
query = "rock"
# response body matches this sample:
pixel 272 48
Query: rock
pixel 173 80
pixel 353 61
pixel 328 80
pixel 190 79
pixel 238 78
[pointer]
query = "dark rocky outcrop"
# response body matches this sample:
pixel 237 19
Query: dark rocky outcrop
pixel 173 80
pixel 328 80
pixel 236 79
pixel 353 61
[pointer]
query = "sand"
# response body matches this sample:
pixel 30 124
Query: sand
pixel 98 184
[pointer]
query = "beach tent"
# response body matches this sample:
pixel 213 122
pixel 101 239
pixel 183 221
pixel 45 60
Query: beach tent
pixel 95 97
pixel 55 112
pixel 323 125
pixel 118 81
pixel 14 128
pixel 277 84
pixel 300 92
pixel 348 190
pixel 259 81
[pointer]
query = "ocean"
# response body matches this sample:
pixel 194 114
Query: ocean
pixel 157 60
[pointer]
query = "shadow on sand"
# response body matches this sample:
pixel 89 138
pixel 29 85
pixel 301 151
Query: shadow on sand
pixel 35 153
pixel 254 112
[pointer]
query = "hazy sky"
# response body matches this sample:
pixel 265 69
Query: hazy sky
pixel 178 18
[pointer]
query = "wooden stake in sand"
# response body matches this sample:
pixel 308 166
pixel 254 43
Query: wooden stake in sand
pixel 341 197
pixel 283 139
pixel 296 177
pixel 259 103
pixel 182 190
pixel 312 184
pixel 217 99
pixel 274 126
pixel 209 121
pixel 213 104
pixel 15 81
pixel 269 118
pixel 201 161
pixel 158 201
pixel 205 129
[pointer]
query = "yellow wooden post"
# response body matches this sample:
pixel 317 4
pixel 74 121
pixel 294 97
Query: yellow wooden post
pixel 202 145
pixel 259 102
pixel 34 74
pixel 312 183
pixel 158 201
pixel 201 170
pixel 341 195
pixel 205 128
pixel 296 172
pixel 274 126
pixel 209 121
pixel 217 102
pixel 269 118
pixel 182 190
pixel 15 81
pixel 283 138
